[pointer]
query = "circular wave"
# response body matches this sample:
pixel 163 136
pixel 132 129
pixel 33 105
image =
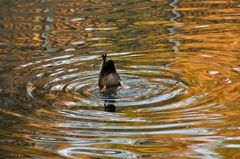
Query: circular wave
pixel 157 101
pixel 72 83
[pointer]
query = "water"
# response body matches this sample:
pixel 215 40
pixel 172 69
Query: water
pixel 180 60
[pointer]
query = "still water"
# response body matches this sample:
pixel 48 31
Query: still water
pixel 179 58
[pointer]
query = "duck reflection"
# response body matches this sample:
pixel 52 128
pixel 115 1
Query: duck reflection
pixel 109 107
pixel 109 102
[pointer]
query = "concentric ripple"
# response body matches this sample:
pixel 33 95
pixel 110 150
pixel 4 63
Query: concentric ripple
pixel 54 79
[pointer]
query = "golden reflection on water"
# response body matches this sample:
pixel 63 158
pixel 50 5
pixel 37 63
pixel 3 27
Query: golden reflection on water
pixel 180 60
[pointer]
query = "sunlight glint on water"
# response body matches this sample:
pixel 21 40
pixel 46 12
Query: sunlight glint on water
pixel 179 59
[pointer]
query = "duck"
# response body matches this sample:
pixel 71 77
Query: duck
pixel 108 77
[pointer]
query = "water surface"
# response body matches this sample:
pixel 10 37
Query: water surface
pixel 180 60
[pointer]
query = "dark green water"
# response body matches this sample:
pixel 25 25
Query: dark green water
pixel 180 60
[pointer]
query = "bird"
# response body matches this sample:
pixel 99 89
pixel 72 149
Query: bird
pixel 108 77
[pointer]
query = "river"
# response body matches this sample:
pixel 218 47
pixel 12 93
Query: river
pixel 180 60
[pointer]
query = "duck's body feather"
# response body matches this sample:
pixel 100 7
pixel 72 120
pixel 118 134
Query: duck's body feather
pixel 108 76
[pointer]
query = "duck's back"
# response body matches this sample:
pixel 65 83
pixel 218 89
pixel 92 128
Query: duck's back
pixel 108 75
pixel 111 79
